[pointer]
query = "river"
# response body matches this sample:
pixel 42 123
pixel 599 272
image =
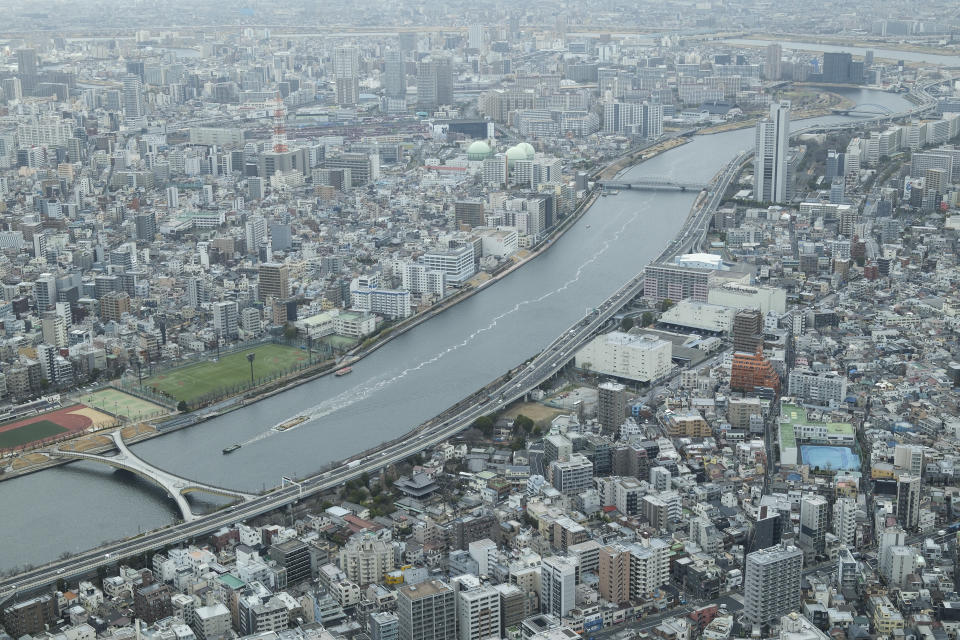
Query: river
pixel 878 52
pixel 75 507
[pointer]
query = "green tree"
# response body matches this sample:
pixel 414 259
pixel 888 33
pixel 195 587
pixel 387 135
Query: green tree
pixel 647 318
pixel 290 332
pixel 666 304
pixel 182 406
pixel 518 443
pixel 484 424
pixel 522 423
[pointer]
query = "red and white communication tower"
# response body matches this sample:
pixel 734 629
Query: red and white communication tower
pixel 279 119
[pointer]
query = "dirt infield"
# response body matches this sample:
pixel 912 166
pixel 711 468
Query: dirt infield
pixel 54 424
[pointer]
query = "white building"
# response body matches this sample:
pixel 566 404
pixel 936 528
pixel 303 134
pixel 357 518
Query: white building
pixel 701 316
pixel 212 623
pixel 478 613
pixel 772 145
pixel 827 389
pixel 418 278
pixel 741 296
pixel 649 568
pixel 845 520
pixel 558 584
pixel 642 357
pixel 225 318
pixel 391 303
pixel 456 264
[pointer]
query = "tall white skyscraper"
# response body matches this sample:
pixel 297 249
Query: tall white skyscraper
pixel 558 585
pixel 475 36
pixel 133 107
pixel 813 522
pixel 478 613
pixel 346 70
pixel 772 145
pixel 845 520
pixel 771 586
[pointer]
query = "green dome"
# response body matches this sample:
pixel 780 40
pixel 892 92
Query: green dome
pixel 514 154
pixel 479 150
pixel 527 149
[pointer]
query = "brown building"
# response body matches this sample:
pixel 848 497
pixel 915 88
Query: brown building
pixel 113 305
pixel 274 281
pixel 747 330
pixel 30 617
pixel 614 575
pixel 687 424
pixel 152 602
pixel 752 370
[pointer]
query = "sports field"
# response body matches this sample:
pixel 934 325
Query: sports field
pixel 75 418
pixel 123 404
pixel 194 381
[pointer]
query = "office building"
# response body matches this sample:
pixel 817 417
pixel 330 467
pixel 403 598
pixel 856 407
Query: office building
pixel 908 501
pixel 434 83
pixel 845 520
pixel 665 282
pixel 427 611
pixel 469 212
pixel 383 625
pixel 31 616
pixel 45 291
pixel 649 567
pixel 134 108
pixel 28 70
pixel 642 357
pixel 255 232
pixel 821 388
pixel 558 585
pixel 478 613
pixel 113 305
pixel 813 522
pixel 751 371
pixel 772 145
pixel 274 281
pixel 773 69
pixel 572 476
pixel 747 330
pixel 294 557
pixel 772 584
pixel 614 574
pixel 152 602
pixel 611 406
pixel 225 319
pixel 394 74
pixel 346 71
pixel 909 458
pixel 212 622
pixel 456 263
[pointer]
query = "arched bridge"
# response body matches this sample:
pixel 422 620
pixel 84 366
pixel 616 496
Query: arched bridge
pixel 867 109
pixel 653 183
pixel 174 485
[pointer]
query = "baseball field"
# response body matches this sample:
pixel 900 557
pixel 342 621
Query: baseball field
pixel 194 381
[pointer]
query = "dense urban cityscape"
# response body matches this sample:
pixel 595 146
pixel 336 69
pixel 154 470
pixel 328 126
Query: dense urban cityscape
pixel 415 321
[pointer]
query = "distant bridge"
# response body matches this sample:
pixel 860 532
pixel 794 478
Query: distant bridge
pixel 868 109
pixel 174 485
pixel 653 183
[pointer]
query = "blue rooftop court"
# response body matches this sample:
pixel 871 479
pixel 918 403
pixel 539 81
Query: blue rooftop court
pixel 826 457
